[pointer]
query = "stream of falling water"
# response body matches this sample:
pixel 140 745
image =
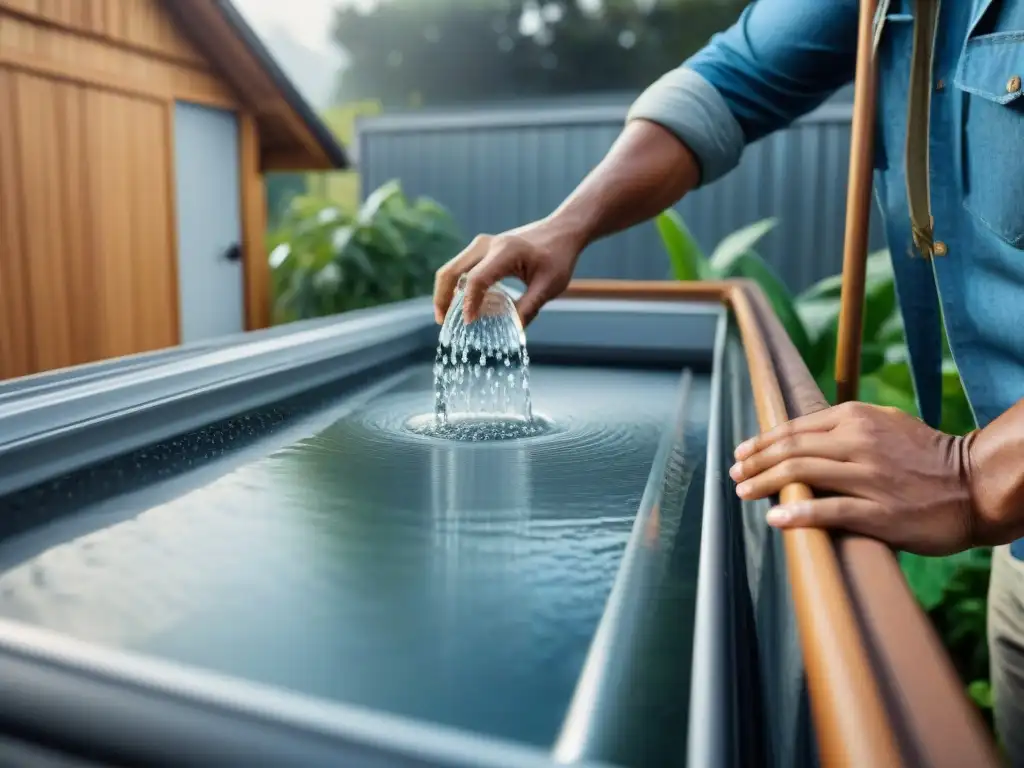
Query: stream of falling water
pixel 482 374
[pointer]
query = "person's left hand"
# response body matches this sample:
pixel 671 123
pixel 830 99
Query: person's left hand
pixel 896 479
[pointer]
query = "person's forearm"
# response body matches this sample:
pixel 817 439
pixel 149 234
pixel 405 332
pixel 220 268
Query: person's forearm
pixel 779 60
pixel 647 170
pixel 996 467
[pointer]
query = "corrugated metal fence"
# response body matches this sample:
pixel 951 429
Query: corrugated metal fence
pixel 499 168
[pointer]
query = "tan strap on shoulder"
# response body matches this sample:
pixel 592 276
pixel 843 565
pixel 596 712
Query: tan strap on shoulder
pixel 926 17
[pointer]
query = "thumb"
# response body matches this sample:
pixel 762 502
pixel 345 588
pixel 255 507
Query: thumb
pixel 852 515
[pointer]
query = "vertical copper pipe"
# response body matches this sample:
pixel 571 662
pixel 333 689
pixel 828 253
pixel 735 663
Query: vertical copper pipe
pixel 858 210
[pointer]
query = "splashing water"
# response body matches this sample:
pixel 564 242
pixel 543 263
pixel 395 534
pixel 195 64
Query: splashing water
pixel 482 373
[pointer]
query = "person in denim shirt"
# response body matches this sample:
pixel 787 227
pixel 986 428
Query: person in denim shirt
pixel 895 477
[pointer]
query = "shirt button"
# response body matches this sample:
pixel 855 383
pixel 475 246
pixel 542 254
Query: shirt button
pixel 940 248
pixel 1013 84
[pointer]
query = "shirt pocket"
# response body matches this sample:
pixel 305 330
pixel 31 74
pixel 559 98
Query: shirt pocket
pixel 989 74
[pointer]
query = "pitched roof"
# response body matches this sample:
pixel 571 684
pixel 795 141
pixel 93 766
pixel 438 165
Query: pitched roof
pixel 292 135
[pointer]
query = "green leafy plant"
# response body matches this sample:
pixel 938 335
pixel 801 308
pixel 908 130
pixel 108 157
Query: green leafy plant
pixel 324 260
pixel 733 257
pixel 811 318
pixel 952 590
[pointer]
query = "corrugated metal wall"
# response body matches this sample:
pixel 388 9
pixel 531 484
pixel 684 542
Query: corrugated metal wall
pixel 496 169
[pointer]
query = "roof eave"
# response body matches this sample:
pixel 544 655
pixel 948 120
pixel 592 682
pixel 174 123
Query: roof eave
pixel 315 146
pixel 325 138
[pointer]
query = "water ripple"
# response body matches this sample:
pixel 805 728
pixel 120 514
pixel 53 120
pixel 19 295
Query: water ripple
pixel 455 582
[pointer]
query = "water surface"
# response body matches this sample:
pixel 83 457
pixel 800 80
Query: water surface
pixel 458 583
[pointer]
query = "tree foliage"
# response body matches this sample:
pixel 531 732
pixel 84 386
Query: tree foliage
pixel 445 52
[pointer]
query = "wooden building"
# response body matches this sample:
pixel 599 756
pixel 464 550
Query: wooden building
pixel 133 139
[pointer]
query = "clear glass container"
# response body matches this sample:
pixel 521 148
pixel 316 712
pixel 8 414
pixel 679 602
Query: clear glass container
pixel 482 371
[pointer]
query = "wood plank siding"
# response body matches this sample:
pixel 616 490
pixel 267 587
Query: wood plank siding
pixel 88 252
pixel 130 46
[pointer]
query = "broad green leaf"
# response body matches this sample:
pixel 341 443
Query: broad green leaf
pixel 980 692
pixel 929 577
pixel 820 316
pixel 385 236
pixel 957 415
pixel 826 288
pixel 734 246
pixel 878 268
pixel 879 296
pixel 890 331
pixel 872 358
pixel 684 254
pixel 327 280
pixel 341 237
pixel 896 369
pixel 751 266
pixel 435 213
pixel 877 391
pixel 827 384
pixel 356 255
pixel 378 199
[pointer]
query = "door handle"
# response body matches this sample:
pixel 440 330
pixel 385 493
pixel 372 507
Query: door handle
pixel 233 253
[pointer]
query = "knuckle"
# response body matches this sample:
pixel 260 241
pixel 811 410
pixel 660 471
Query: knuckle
pixel 876 476
pixel 785 447
pixel 505 244
pixel 791 471
pixel 851 409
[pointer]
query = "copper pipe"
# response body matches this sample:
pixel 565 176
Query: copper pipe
pixel 650 290
pixel 858 211
pixel 938 726
pixel 849 715
pixel 852 726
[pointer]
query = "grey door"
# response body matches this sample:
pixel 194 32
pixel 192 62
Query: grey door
pixel 209 222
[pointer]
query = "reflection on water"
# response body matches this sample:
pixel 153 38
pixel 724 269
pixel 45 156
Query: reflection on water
pixel 453 582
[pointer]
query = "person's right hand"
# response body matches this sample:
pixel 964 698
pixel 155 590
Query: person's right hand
pixel 542 255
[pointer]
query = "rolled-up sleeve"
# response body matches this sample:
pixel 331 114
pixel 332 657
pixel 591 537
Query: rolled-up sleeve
pixel 781 59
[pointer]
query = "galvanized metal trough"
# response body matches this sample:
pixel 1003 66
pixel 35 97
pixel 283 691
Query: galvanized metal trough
pixel 713 641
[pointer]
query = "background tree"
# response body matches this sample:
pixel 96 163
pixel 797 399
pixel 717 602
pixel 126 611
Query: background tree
pixel 448 52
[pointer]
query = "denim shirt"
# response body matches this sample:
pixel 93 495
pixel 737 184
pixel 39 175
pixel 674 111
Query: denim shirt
pixel 783 58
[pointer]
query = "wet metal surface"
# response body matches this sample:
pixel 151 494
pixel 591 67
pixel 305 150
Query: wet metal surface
pixel 459 583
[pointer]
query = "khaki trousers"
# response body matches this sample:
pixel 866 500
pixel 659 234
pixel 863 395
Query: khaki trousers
pixel 1006 651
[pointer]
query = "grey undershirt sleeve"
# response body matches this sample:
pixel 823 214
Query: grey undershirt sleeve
pixel 686 104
